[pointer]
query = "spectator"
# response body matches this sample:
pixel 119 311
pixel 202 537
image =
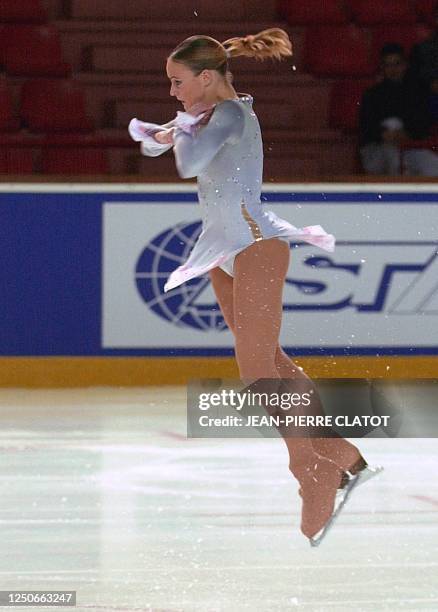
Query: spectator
pixel 433 102
pixel 391 114
pixel 424 57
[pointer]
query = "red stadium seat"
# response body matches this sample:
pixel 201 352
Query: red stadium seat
pixel 377 12
pixel 338 51
pixel 22 11
pixel 345 100
pixel 406 36
pixel 2 44
pixel 282 8
pixel 426 10
pixel 16 161
pixel 34 51
pixel 20 161
pixel 54 106
pixel 74 161
pixel 314 12
pixel 8 122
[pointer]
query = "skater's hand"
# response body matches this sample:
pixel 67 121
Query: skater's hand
pixel 206 118
pixel 164 137
pixel 192 119
pixel 201 108
pixel 198 108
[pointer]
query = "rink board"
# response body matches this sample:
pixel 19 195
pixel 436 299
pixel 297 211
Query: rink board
pixel 84 265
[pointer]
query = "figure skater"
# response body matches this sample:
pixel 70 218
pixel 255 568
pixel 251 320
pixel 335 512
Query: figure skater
pixel 244 247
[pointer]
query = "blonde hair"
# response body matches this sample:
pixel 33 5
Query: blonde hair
pixel 206 53
pixel 274 43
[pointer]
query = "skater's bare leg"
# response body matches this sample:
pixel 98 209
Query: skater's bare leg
pixel 259 275
pixel 252 307
pixel 254 315
pixel 338 450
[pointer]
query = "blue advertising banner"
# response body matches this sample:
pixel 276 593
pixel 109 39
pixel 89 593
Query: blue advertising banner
pixel 83 269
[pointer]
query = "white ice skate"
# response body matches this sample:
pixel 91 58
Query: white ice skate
pixel 341 497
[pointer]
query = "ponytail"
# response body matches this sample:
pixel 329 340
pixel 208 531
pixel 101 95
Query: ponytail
pixel 273 42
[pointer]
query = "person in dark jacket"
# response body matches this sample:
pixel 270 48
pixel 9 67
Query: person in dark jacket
pixel 424 57
pixel 393 112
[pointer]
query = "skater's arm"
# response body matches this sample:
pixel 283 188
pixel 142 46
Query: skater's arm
pixel 154 148
pixel 194 152
pixel 167 126
pixel 144 133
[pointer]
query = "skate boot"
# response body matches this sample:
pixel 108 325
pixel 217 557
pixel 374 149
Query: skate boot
pixel 320 486
pixel 359 473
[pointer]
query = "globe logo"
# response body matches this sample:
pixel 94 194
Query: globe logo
pixel 183 305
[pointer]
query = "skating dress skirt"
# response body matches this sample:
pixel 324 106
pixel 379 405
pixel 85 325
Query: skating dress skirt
pixel 226 156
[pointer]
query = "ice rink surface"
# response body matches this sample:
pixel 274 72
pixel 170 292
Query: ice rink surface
pixel 102 493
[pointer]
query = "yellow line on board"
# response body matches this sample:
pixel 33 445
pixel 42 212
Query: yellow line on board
pixel 140 371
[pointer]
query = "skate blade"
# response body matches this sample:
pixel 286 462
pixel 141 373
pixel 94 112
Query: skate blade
pixel 369 472
pixel 358 479
pixel 341 498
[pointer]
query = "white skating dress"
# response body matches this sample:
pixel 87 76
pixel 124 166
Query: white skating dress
pixel 227 157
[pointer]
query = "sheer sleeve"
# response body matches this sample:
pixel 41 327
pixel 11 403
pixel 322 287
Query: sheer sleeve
pixel 152 148
pixel 144 133
pixel 194 152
